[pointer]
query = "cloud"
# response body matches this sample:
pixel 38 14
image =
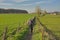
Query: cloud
pixel 42 2
pixel 1 1
pixel 26 4
pixel 19 1
pixel 6 4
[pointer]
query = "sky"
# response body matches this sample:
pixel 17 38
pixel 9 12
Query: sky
pixel 30 5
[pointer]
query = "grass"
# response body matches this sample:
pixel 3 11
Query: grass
pixel 13 21
pixel 52 22
pixel 37 35
pixel 6 19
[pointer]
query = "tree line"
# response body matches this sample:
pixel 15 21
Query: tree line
pixel 12 11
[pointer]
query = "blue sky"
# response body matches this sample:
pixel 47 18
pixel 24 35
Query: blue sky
pixel 29 5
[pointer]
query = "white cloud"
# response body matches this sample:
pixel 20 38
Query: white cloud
pixel 6 4
pixel 42 2
pixel 19 1
pixel 1 1
pixel 26 4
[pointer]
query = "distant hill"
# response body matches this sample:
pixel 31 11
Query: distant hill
pixel 12 11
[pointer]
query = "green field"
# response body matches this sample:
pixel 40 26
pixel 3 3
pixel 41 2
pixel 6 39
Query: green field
pixel 13 21
pixel 52 22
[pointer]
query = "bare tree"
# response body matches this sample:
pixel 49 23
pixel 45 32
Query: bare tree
pixel 38 10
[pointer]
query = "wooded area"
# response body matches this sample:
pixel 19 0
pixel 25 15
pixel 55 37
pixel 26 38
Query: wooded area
pixel 12 11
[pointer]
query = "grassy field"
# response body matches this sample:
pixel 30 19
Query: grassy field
pixel 13 21
pixel 52 22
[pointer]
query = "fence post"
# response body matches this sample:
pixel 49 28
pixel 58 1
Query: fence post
pixel 4 37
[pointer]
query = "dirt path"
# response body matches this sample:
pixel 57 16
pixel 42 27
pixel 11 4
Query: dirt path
pixel 31 25
pixel 28 36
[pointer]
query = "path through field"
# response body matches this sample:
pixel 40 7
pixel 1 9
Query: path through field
pixel 40 32
pixel 28 36
pixel 33 36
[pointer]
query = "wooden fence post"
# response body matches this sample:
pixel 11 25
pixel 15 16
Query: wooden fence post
pixel 4 37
